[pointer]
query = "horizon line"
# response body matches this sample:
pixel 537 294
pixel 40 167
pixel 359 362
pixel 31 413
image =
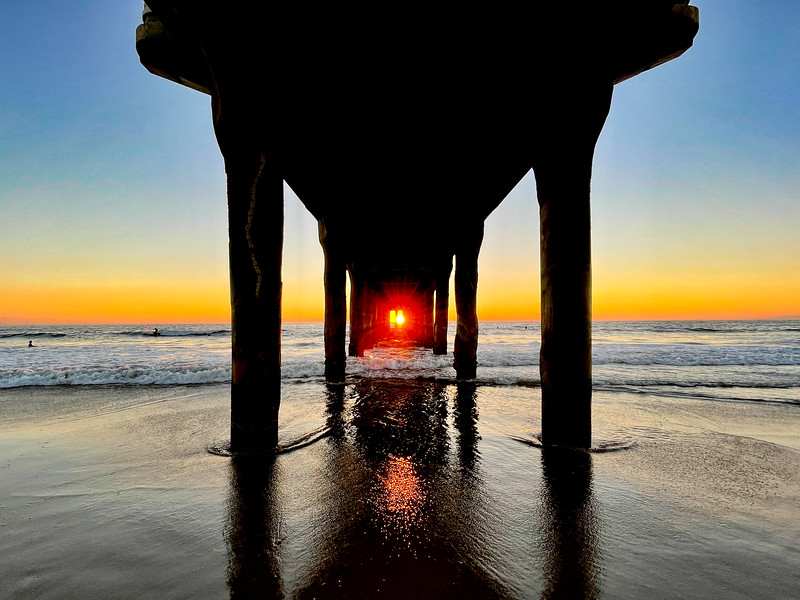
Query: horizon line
pixel 321 321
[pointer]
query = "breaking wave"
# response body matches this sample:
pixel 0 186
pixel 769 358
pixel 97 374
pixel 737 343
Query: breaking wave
pixel 35 335
pixel 173 333
pixel 132 375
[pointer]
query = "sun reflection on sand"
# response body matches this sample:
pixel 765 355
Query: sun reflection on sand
pixel 398 498
pixel 402 491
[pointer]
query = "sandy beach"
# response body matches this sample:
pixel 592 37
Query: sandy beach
pixel 418 490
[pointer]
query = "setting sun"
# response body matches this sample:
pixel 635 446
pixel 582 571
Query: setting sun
pixel 396 318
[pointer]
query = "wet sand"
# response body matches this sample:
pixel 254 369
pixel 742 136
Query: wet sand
pixel 418 490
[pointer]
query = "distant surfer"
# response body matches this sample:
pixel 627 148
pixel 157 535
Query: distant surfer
pixel 155 331
pixel 30 344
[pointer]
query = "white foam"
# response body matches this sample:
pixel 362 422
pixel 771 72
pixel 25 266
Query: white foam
pixel 112 376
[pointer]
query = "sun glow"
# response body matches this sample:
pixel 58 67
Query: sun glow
pixel 396 318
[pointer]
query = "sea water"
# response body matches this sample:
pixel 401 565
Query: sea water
pixel 755 361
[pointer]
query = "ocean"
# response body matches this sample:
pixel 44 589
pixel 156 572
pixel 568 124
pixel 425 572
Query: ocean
pixel 745 361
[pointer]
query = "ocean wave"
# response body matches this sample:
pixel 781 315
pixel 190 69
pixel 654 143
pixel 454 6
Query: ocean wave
pixel 414 363
pixel 311 370
pixel 199 354
pixel 665 359
pixel 702 362
pixel 679 361
pixel 741 384
pixel 655 383
pixel 509 360
pixel 701 327
pixel 190 333
pixel 698 393
pixel 39 334
pixel 695 355
pixel 129 375
pixel 171 333
pixel 141 375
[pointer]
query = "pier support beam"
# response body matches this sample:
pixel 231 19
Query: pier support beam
pixel 356 314
pixel 255 229
pixel 248 127
pixel 428 315
pixel 442 306
pixel 466 343
pixel 563 169
pixel 368 309
pixel 335 304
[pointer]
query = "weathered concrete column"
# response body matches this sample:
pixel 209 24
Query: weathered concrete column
pixel 335 304
pixel 428 316
pixel 563 174
pixel 356 314
pixel 367 317
pixel 466 342
pixel 255 229
pixel 442 306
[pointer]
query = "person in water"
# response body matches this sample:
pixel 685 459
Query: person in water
pixel 155 331
pixel 30 344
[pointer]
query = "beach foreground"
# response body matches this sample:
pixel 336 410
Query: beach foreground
pixel 415 490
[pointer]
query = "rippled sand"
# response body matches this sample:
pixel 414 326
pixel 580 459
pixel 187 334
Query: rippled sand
pixel 418 490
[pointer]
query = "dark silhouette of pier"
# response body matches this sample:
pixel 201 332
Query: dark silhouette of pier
pixel 431 111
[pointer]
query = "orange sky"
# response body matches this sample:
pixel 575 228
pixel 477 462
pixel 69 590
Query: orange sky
pixel 617 296
pixel 100 281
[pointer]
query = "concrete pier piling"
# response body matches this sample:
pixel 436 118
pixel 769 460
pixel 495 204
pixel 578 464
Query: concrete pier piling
pixel 356 314
pixel 335 304
pixel 255 224
pixel 466 280
pixel 442 307
pixel 563 177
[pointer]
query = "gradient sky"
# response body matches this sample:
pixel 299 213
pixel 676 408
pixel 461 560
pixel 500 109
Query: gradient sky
pixel 112 188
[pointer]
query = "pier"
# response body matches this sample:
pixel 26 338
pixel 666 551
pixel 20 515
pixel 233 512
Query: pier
pixel 436 111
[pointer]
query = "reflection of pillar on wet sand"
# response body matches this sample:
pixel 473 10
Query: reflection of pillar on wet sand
pixel 465 419
pixel 570 525
pixel 401 418
pixel 253 529
pixel 334 409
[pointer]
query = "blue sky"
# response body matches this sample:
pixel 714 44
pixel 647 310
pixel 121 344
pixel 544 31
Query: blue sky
pixel 110 177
